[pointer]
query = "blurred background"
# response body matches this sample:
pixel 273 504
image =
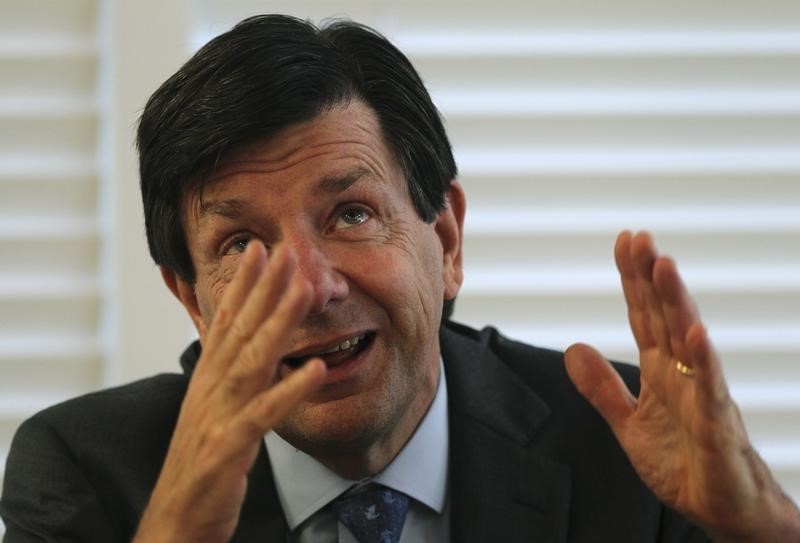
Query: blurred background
pixel 570 121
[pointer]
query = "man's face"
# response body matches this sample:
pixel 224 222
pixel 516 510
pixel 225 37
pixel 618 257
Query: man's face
pixel 332 191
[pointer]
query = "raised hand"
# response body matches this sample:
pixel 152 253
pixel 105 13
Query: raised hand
pixel 684 434
pixel 232 401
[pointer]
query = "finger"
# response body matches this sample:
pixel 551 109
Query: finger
pixel 270 407
pixel 250 268
pixel 714 394
pixel 232 442
pixel 637 314
pixel 600 384
pixel 257 362
pixel 678 308
pixel 259 303
pixel 644 255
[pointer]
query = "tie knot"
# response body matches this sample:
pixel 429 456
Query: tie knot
pixel 373 513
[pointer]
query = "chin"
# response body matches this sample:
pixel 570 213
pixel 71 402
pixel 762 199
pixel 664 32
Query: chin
pixel 342 426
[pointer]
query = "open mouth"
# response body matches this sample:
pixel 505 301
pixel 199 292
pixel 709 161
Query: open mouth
pixel 336 354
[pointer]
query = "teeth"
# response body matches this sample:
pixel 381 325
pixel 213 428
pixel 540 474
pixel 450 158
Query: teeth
pixel 346 344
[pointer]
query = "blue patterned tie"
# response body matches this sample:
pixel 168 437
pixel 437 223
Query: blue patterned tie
pixel 373 513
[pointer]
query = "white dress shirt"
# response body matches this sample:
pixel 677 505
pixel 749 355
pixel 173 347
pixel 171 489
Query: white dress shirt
pixel 305 486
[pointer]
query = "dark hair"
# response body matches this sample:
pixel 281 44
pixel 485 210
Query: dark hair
pixel 265 74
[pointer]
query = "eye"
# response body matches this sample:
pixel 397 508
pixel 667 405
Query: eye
pixel 238 245
pixel 352 216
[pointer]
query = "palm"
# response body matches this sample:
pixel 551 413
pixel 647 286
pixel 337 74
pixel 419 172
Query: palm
pixel 664 420
pixel 683 434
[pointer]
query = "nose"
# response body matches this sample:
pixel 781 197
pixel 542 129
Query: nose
pixel 318 267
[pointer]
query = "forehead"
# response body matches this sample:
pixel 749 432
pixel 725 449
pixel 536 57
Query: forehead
pixel 346 138
pixel 350 130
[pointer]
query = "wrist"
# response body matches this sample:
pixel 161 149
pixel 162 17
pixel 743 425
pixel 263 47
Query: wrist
pixel 778 520
pixel 156 530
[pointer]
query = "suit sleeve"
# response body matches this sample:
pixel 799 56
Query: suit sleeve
pixel 46 497
pixel 676 529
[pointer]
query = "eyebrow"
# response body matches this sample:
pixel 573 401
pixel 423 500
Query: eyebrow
pixel 233 208
pixel 340 183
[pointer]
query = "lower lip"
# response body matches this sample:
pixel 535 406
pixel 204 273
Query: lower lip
pixel 344 369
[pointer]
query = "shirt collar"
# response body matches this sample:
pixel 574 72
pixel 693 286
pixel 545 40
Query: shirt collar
pixel 420 469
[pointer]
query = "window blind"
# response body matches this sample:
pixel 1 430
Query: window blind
pixel 49 299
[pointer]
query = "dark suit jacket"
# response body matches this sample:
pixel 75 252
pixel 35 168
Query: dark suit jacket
pixel 530 460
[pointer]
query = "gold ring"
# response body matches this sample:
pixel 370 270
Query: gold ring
pixel 684 369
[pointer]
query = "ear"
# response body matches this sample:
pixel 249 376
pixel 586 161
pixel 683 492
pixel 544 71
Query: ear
pixel 450 229
pixel 184 292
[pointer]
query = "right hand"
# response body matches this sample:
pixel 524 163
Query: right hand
pixel 232 400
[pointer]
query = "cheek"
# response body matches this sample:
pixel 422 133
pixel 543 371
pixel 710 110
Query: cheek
pixel 210 288
pixel 411 271
pixel 424 256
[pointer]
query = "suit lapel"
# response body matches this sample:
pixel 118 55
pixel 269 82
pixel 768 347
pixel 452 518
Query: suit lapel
pixel 262 517
pixel 501 488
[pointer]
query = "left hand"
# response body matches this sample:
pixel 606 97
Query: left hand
pixel 684 434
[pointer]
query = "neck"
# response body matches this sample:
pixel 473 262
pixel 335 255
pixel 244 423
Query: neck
pixel 360 460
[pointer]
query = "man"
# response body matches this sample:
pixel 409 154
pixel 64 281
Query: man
pixel 301 199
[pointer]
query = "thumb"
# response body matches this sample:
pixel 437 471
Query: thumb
pixel 600 384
